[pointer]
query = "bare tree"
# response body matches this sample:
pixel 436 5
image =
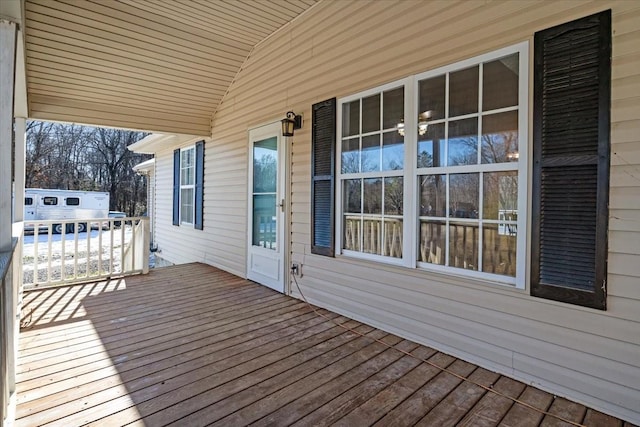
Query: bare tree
pixel 114 163
pixel 77 157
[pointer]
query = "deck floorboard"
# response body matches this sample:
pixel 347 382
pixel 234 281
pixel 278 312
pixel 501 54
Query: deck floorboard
pixel 193 345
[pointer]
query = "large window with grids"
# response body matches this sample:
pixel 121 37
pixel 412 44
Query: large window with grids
pixel 432 169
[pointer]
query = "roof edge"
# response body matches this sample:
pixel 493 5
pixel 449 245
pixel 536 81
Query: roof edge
pixel 155 142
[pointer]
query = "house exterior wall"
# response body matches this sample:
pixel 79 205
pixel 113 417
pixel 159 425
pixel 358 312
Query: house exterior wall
pixel 341 48
pixel 222 242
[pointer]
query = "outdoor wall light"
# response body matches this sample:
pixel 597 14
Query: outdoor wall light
pixel 290 123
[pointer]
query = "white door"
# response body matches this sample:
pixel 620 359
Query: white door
pixel 267 205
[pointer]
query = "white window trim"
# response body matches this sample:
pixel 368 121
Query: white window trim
pixel 188 186
pixel 410 171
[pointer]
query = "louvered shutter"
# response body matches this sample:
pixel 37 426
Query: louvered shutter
pixel 176 187
pixel 323 141
pixel 199 186
pixel 571 161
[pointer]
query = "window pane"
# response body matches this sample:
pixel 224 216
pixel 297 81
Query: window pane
pixel 264 221
pixel 351 155
pixel 73 201
pixel 500 83
pixel 463 195
pixel 392 151
pixel 463 92
pixel 371 114
pixel 186 205
pixel 372 201
pixel 433 193
pixel 463 246
pixel 393 195
pixel 499 250
pixel 431 98
pixel 500 196
pixel 187 159
pixel 392 237
pixel 49 201
pixel 432 242
pixel 372 236
pixel 265 165
pixel 352 226
pixel 500 138
pixel 463 142
pixel 431 147
pixel 352 196
pixel 371 153
pixel 393 108
pixel 351 118
pixel 186 176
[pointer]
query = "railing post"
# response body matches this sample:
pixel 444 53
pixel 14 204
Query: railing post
pixel 145 244
pixel 8 37
pixel 8 42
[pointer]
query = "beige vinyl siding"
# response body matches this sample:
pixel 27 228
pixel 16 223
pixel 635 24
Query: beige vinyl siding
pixel 341 48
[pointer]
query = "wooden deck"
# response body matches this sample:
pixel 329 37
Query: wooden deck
pixel 191 345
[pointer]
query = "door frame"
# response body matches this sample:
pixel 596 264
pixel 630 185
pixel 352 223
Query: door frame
pixel 257 133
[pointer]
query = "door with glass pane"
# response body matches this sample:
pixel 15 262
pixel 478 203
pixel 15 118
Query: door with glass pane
pixel 265 258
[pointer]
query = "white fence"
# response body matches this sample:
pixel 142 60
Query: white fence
pixel 64 252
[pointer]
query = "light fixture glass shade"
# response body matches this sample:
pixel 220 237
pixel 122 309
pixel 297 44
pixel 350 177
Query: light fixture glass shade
pixel 290 123
pixel 287 126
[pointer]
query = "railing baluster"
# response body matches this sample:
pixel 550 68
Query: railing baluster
pixel 100 249
pixel 111 225
pixel 75 255
pixel 63 240
pixel 88 270
pixel 36 238
pixel 122 226
pixel 133 246
pixel 49 250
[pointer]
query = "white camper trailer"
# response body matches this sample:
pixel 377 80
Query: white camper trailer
pixel 64 205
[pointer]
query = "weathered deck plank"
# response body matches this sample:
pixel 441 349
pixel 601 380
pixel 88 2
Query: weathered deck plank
pixel 192 345
pixel 344 403
pixel 458 403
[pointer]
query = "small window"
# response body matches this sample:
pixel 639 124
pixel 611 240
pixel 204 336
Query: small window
pixel 73 201
pixel 28 201
pixel 50 201
pixel 187 184
pixel 188 180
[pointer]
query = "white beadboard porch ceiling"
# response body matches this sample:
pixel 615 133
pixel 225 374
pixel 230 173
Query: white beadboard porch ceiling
pixel 155 65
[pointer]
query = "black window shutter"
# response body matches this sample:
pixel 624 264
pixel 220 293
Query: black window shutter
pixel 572 90
pixel 323 142
pixel 199 185
pixel 176 187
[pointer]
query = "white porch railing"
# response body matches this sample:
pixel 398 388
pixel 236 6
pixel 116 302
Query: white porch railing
pixel 60 252
pixel 10 305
